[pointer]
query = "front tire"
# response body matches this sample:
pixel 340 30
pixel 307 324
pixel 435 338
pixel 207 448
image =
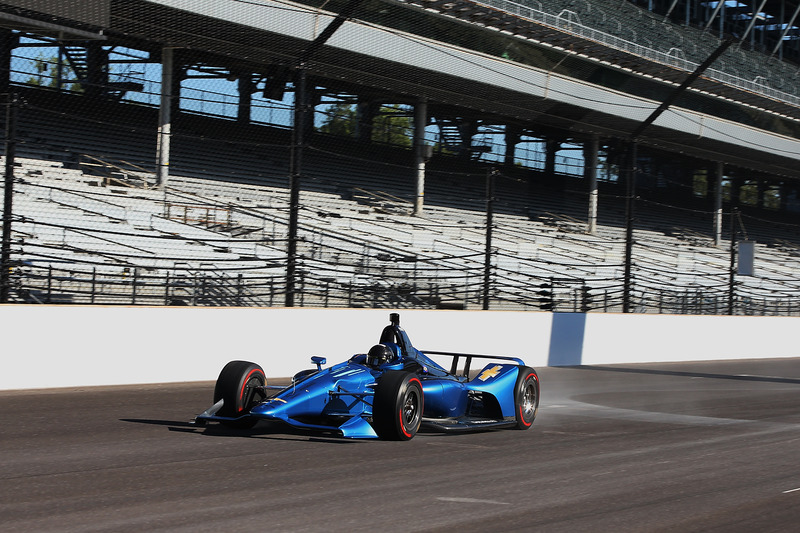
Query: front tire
pixel 398 406
pixel 526 397
pixel 238 384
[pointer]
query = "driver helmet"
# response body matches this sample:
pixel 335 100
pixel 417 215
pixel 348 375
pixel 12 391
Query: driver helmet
pixel 380 354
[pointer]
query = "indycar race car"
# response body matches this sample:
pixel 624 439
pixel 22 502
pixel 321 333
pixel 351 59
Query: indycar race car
pixel 388 392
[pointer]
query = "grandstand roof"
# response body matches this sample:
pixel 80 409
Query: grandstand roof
pixel 81 21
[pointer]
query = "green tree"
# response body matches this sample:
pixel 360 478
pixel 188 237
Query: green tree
pixel 772 198
pixel 340 119
pixel 46 69
pixel 392 124
pixel 700 183
pixel 748 193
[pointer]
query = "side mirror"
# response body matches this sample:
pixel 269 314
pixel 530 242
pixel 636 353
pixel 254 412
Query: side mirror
pixel 319 361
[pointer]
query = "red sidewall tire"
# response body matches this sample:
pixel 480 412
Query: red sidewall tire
pixel 398 405
pixel 526 397
pixel 235 385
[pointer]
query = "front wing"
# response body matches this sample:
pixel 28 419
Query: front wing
pixel 354 427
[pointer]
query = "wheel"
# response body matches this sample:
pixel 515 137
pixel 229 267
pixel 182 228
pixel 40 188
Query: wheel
pixel 526 397
pixel 236 385
pixel 397 409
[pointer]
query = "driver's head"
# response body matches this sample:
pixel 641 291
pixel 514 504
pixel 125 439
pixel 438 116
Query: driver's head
pixel 379 354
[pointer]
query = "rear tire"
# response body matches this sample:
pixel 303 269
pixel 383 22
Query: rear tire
pixel 236 385
pixel 526 397
pixel 399 403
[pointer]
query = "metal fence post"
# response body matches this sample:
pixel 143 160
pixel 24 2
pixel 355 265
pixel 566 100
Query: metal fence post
pixel 133 288
pixel 8 196
pixel 49 284
pixel 732 267
pixel 487 261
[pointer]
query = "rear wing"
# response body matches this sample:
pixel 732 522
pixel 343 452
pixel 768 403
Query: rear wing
pixel 468 360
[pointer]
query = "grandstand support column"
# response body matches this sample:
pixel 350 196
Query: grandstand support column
pixel 783 196
pixel 96 84
pixel 551 147
pixel 8 41
pixel 8 196
pixel 420 121
pixel 366 110
pixel 165 116
pixel 246 88
pixel 590 150
pixel 719 175
pixel 761 186
pixel 513 135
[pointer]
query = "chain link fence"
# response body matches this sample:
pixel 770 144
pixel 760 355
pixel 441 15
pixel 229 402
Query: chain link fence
pixel 97 218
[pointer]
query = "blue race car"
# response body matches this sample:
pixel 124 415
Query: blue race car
pixel 389 392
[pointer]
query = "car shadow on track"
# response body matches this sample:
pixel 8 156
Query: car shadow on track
pixel 736 377
pixel 264 430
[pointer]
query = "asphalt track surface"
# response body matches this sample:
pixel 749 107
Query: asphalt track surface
pixel 657 447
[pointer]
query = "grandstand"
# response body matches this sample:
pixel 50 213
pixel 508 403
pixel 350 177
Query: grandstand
pixel 96 218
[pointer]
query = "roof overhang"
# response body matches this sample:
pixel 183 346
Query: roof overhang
pixel 61 32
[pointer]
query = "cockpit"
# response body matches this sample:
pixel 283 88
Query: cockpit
pixel 395 351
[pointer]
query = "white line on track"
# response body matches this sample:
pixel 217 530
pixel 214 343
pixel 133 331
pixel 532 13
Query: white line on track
pixel 791 490
pixel 757 376
pixel 472 500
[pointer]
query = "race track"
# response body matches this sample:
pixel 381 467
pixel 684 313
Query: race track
pixel 657 447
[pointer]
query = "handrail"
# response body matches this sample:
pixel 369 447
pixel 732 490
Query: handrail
pixel 136 181
pixel 382 195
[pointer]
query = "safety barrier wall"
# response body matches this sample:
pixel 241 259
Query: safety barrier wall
pixel 69 346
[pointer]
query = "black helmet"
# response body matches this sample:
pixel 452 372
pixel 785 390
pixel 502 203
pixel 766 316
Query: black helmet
pixel 379 354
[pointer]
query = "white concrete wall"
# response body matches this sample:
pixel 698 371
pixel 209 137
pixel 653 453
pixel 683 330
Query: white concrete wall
pixel 74 346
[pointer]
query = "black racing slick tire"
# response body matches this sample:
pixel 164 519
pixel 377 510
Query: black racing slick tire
pixel 526 397
pixel 238 384
pixel 398 405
